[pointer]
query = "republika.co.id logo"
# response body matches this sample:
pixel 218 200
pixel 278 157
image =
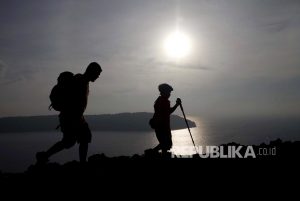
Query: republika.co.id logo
pixel 223 151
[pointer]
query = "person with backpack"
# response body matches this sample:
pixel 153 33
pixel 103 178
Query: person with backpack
pixel 70 98
pixel 161 120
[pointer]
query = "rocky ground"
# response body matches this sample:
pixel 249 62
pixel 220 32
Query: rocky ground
pixel 152 167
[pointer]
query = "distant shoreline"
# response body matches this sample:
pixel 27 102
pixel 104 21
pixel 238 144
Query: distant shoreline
pixel 105 122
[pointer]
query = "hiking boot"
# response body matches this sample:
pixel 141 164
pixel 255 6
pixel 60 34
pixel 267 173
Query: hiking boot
pixel 166 155
pixel 41 157
pixel 151 153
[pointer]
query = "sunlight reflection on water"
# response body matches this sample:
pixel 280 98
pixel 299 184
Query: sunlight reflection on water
pixel 182 140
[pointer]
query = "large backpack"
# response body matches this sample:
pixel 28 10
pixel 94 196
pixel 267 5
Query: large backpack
pixel 153 122
pixel 60 93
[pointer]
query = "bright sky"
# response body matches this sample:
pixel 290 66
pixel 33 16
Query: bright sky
pixel 241 57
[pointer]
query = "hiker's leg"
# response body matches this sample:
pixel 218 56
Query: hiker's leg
pixel 159 135
pixel 167 142
pixel 84 137
pixel 83 149
pixel 59 146
pixel 43 157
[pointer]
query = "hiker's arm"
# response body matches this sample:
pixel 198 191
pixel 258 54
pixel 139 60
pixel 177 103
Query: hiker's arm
pixel 178 102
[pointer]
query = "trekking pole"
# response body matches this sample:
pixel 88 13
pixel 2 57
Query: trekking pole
pixel 188 127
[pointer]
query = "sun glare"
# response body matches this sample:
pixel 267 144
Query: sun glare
pixel 177 45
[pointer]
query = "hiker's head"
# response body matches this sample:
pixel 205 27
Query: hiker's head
pixel 165 90
pixel 93 71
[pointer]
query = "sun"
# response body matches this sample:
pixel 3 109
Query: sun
pixel 177 45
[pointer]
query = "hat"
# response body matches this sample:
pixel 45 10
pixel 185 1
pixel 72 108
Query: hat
pixel 165 88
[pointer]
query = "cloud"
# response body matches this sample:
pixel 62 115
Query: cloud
pixel 170 64
pixel 184 66
pixel 197 67
pixel 15 74
pixel 5 77
pixel 2 69
pixel 278 26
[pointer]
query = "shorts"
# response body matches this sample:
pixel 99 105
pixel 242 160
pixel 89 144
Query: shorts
pixel 75 131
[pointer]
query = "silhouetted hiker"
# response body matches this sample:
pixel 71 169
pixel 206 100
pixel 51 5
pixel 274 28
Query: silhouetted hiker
pixel 71 119
pixel 161 119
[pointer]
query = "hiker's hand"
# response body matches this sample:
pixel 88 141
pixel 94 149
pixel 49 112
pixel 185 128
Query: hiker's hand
pixel 178 101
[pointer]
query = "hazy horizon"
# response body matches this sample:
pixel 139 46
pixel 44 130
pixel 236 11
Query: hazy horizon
pixel 243 59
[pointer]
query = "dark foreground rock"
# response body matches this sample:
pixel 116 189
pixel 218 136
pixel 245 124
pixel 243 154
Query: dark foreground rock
pixel 149 166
